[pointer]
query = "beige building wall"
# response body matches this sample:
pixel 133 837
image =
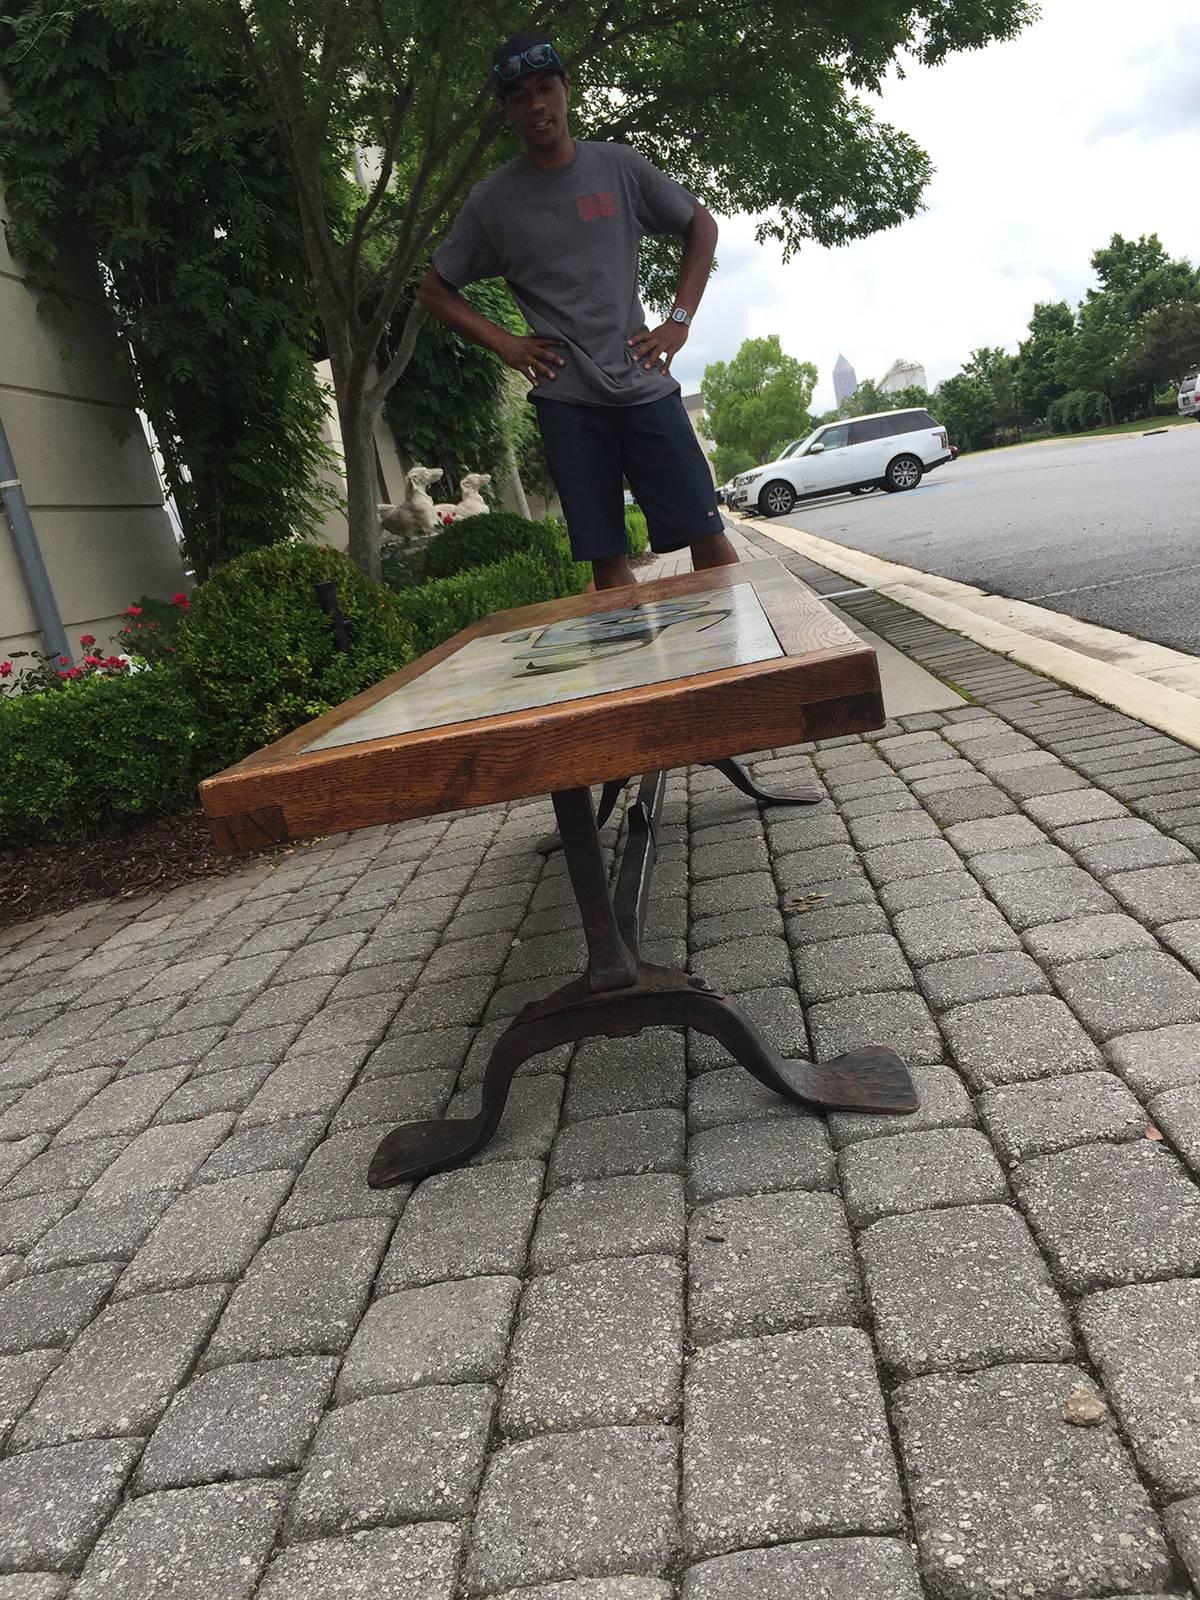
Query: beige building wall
pixel 693 404
pixel 335 530
pixel 89 479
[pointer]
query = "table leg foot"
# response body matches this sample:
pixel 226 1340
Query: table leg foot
pixel 872 1078
pixel 418 1149
pixel 804 794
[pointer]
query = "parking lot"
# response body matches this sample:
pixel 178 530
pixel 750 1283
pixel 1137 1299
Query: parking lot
pixel 1107 530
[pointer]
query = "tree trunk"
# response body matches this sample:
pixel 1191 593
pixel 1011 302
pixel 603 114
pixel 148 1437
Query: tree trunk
pixel 362 488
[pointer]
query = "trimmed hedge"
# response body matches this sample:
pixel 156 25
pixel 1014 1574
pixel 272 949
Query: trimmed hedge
pixel 636 531
pixel 437 611
pixel 483 540
pixel 259 654
pixel 96 755
pixel 256 658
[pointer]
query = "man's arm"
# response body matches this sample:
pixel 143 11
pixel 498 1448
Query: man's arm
pixel 699 247
pixel 531 355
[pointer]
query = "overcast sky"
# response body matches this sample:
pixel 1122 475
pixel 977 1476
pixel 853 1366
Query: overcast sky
pixel 1086 125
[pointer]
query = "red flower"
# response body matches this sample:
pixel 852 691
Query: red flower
pixel 64 661
pixel 6 669
pixel 92 661
pixel 180 600
pixel 87 638
pixel 133 611
pixel 115 662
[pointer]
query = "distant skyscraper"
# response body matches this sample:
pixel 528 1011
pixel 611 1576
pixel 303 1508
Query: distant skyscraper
pixel 903 375
pixel 844 380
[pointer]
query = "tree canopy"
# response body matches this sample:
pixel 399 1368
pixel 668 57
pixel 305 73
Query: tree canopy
pixel 757 110
pixel 757 403
pixel 172 170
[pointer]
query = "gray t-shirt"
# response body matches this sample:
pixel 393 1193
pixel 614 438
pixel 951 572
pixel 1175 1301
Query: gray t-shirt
pixel 566 242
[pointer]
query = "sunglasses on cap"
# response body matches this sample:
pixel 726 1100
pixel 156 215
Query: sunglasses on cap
pixel 538 58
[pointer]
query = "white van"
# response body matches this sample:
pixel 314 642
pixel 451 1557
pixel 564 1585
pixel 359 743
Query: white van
pixel 1189 403
pixel 887 450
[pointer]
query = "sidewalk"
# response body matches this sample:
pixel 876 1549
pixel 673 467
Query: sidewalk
pixel 668 1331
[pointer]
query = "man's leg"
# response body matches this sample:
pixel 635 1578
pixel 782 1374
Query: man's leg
pixel 583 452
pixel 672 483
pixel 716 550
pixel 613 572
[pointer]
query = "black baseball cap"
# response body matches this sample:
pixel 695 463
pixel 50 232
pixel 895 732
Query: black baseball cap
pixel 523 54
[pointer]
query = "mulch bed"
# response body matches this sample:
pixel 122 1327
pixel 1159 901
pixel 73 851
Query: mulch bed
pixel 159 854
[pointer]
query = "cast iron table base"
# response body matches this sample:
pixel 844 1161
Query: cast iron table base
pixel 620 994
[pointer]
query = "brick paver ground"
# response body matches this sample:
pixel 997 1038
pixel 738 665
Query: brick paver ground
pixel 668 1337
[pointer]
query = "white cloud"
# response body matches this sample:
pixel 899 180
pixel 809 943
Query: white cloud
pixel 1084 126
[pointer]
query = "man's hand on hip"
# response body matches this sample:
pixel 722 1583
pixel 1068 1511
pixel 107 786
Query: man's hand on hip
pixel 659 344
pixel 532 355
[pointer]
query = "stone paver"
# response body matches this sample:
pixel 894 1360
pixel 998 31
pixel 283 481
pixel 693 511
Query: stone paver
pixel 1014 1040
pixel 1145 1342
pixel 456 1332
pixel 466 1223
pixel 413 1563
pixel 613 1217
pixel 57 1501
pixel 767 1263
pixel 120 1375
pixel 188 1544
pixel 1111 1214
pixel 363 1469
pixel 741 1158
pixel 596 1344
pixel 1009 1500
pixel 1127 992
pixel 959 1289
pixel 918 1172
pixel 304 1294
pixel 475 1385
pixel 48 1309
pixel 1158 1059
pixel 817 1569
pixel 251 1420
pixel 1035 1119
pixel 786 1439
pixel 576 1505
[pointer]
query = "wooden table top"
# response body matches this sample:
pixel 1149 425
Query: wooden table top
pixel 559 696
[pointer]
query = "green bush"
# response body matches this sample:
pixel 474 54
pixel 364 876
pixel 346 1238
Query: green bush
pixel 96 755
pixel 151 628
pixel 636 531
pixel 259 655
pixel 480 541
pixel 436 611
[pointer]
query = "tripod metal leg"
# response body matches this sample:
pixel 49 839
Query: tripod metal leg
pixel 804 794
pixel 870 1079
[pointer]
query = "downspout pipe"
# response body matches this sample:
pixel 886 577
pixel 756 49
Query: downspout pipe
pixel 29 554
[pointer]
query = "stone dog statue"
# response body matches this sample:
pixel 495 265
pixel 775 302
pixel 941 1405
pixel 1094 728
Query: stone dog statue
pixel 472 503
pixel 417 518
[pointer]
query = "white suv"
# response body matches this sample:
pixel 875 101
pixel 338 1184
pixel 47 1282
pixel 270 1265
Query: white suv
pixel 889 449
pixel 1189 396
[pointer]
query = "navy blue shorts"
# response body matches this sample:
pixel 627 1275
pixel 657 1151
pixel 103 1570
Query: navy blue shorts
pixel 592 450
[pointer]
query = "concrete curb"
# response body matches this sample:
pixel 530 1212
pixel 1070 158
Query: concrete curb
pixel 1157 685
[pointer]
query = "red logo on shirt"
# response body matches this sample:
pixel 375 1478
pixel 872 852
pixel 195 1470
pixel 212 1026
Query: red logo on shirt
pixel 592 207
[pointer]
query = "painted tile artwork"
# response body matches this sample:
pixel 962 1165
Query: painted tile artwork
pixel 569 660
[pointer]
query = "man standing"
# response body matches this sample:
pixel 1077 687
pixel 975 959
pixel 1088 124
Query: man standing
pixel 562 224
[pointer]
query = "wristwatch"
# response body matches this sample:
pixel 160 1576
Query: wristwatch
pixel 680 315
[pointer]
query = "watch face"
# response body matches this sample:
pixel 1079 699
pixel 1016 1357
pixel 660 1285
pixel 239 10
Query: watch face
pixel 679 315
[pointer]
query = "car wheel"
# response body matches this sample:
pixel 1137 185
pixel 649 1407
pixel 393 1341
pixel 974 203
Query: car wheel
pixel 905 472
pixel 777 499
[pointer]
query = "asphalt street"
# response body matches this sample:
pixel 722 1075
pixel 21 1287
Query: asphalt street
pixel 1106 530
